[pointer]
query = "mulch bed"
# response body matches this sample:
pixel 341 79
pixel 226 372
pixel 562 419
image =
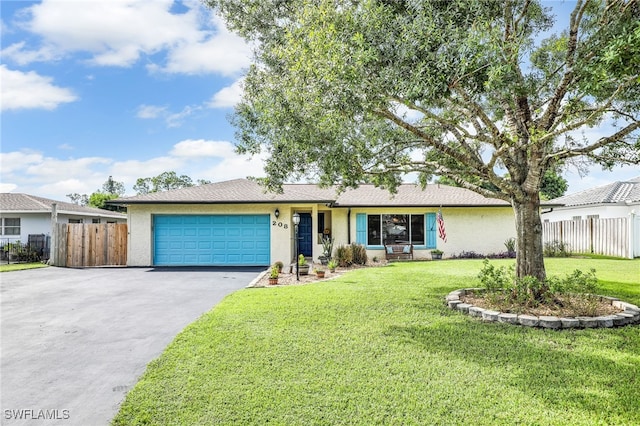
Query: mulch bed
pixel 572 306
pixel 289 277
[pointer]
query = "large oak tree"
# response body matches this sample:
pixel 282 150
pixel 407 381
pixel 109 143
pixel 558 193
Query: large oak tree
pixel 479 92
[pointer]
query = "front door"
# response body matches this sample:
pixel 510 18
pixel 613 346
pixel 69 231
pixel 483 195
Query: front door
pixel 305 234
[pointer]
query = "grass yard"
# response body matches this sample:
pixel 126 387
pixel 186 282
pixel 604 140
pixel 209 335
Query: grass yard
pixel 379 346
pixel 21 266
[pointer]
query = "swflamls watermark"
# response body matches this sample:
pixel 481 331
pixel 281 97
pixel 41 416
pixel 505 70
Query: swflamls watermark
pixel 36 414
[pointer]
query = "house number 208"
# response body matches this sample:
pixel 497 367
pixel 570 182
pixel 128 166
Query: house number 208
pixel 280 224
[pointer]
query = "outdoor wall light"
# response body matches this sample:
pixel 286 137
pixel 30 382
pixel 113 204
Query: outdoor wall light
pixel 277 213
pixel 296 219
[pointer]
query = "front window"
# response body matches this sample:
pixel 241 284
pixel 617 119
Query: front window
pixel 11 226
pixel 395 229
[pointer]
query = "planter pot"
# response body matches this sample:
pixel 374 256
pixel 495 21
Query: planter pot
pixel 273 281
pixel 324 260
pixel 320 274
pixel 303 269
pixel 436 256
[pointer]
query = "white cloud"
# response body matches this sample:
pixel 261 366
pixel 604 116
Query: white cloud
pixel 32 172
pixel 30 90
pixel 119 32
pixel 177 119
pixel 19 54
pixel 203 148
pixel 237 167
pixel 129 171
pixel 7 187
pixel 18 160
pixel 151 111
pixel 221 52
pixel 227 97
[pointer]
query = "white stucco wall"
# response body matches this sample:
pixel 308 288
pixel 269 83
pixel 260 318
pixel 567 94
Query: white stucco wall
pixel 140 250
pixel 604 212
pixel 480 229
pixel 483 230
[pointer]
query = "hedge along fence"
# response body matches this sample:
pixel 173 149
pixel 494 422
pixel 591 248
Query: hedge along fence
pixel 79 245
pixel 608 237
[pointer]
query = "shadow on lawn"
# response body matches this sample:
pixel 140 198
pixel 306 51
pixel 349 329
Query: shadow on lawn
pixel 593 370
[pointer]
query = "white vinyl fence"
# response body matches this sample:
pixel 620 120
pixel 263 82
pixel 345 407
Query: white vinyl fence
pixel 610 237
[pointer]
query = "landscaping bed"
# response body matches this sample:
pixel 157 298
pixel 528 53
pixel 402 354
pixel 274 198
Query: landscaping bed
pixel 605 312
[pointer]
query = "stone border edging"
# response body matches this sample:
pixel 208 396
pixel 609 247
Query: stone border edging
pixel 629 315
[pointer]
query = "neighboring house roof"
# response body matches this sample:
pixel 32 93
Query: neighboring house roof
pixel 241 191
pixel 23 203
pixel 613 193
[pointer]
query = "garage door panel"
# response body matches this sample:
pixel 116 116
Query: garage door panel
pixel 234 232
pixel 212 240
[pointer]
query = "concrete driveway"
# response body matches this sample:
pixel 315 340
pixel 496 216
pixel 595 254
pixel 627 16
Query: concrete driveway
pixel 74 341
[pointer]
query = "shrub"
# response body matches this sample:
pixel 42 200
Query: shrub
pixel 327 246
pixel 505 289
pixel 510 245
pixel 529 291
pixel 493 278
pixel 469 255
pixel 274 272
pixel 474 255
pixel 344 256
pixel 359 253
pixel 556 248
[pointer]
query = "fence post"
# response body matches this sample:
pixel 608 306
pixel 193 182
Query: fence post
pixel 53 251
pixel 632 234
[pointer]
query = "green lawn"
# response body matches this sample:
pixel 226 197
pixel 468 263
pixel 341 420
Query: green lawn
pixel 379 346
pixel 21 266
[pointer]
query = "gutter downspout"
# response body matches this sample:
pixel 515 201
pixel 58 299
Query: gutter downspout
pixel 349 226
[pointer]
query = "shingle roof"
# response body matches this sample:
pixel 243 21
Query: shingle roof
pixel 613 193
pixel 23 203
pixel 245 191
pixel 414 195
pixel 232 192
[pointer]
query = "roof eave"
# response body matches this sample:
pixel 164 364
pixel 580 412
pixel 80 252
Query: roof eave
pixel 130 202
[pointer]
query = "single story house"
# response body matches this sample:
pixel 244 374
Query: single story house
pixel 603 220
pixel 617 199
pixel 22 215
pixel 237 223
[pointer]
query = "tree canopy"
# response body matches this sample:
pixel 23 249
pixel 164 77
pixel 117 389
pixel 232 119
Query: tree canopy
pixel 165 181
pixel 479 92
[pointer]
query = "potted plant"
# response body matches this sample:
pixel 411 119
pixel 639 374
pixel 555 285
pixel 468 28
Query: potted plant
pixel 319 272
pixel 332 265
pixel 279 265
pixel 303 266
pixel 436 254
pixel 273 277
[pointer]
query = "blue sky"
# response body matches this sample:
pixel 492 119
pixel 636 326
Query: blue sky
pixel 128 89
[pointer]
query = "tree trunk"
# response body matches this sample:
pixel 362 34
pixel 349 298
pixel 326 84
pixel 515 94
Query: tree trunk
pixel 529 254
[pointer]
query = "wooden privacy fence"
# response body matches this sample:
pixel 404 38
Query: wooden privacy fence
pixel 609 237
pixel 78 245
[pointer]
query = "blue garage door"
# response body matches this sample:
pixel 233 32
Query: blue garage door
pixel 218 240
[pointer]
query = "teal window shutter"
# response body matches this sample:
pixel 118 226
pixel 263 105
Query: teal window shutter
pixel 431 230
pixel 361 228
